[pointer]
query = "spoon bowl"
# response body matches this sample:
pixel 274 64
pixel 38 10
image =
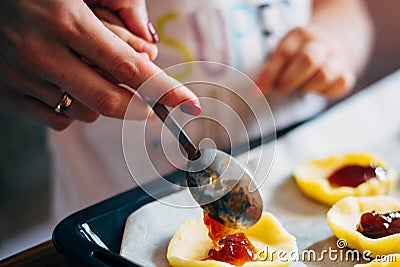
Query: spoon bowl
pixel 224 189
pixel 218 182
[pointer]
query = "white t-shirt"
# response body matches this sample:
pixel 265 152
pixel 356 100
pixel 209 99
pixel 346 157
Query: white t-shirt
pixel 89 164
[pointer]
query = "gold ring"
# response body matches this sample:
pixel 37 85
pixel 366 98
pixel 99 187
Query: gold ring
pixel 64 104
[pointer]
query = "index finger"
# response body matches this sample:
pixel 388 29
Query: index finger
pixel 284 52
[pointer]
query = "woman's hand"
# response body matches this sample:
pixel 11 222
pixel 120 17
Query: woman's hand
pixel 307 60
pixel 51 47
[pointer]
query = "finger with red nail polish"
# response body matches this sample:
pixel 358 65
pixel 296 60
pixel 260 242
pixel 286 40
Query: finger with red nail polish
pixel 190 107
pixel 153 32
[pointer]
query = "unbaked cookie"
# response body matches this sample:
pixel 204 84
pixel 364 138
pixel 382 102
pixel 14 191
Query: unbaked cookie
pixel 191 244
pixel 331 179
pixel 344 219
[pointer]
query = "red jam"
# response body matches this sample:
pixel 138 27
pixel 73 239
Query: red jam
pixel 216 230
pixel 352 175
pixel 233 248
pixel 375 225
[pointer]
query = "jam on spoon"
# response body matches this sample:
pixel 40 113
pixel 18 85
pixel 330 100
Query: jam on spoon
pixel 354 175
pixel 375 225
pixel 229 245
pixel 217 181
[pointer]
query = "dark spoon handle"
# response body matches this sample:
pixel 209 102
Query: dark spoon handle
pixel 177 131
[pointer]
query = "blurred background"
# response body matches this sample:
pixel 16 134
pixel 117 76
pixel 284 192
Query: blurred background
pixel 25 164
pixel 386 55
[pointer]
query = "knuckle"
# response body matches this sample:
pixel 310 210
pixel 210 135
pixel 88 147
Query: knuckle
pixel 124 70
pixel 340 88
pixel 22 46
pixel 66 23
pixel 285 51
pixel 344 82
pixel 108 105
pixel 149 49
pixel 303 32
pixel 307 61
pixel 299 31
pixel 154 53
pixel 324 77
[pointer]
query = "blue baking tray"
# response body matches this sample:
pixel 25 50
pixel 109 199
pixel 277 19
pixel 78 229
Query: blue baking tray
pixel 93 235
pixel 106 221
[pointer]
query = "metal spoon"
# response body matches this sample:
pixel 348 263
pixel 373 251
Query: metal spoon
pixel 216 180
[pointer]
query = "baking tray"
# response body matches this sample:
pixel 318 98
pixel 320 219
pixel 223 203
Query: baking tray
pixel 93 235
pixel 107 221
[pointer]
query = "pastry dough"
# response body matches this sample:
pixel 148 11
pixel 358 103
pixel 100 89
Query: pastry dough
pixel 344 217
pixel 312 178
pixel 190 244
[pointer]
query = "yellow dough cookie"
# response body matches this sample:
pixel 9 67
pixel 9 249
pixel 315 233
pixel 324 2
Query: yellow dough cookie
pixel 190 244
pixel 344 216
pixel 312 178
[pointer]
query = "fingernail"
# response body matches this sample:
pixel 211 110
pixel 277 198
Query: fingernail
pixel 152 30
pixel 191 108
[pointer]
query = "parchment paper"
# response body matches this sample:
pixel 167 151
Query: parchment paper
pixel 367 122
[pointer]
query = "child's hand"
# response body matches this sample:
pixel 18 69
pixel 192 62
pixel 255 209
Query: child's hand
pixel 307 60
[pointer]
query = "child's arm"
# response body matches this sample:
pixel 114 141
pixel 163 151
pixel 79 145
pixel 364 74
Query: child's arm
pixel 326 55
